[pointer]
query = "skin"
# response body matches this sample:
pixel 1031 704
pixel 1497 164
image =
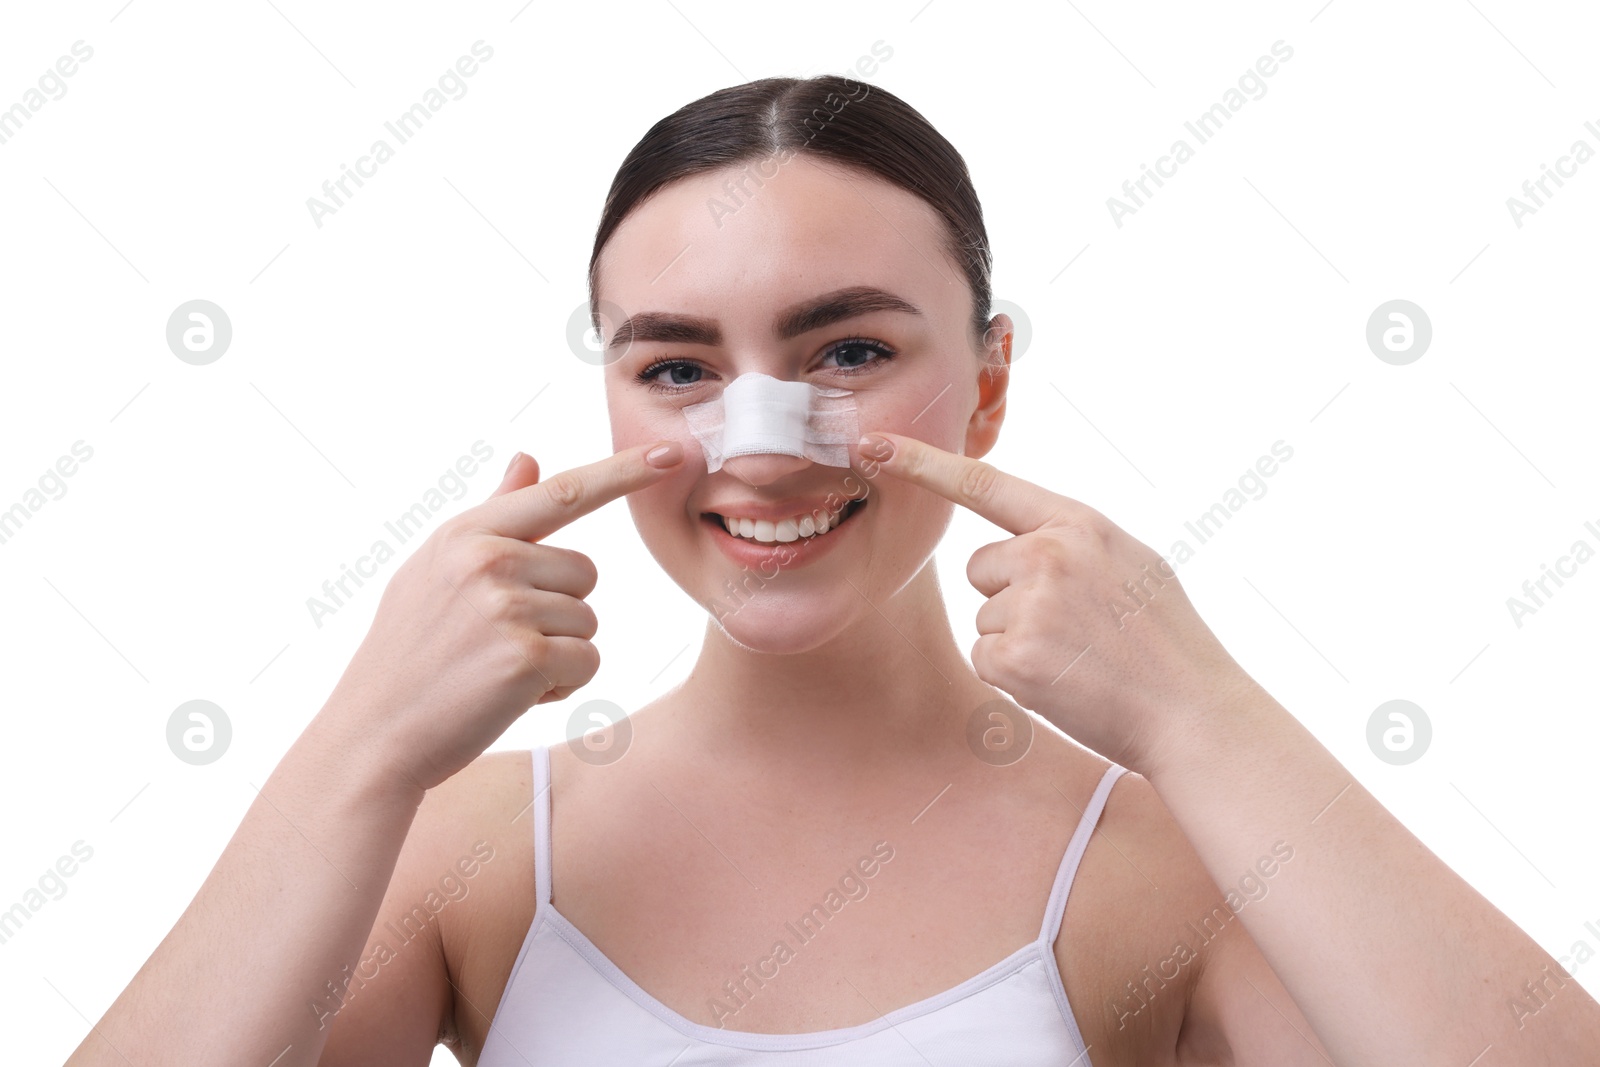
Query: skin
pixel 828 713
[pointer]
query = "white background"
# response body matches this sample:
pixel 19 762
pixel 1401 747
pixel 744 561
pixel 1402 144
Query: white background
pixel 430 312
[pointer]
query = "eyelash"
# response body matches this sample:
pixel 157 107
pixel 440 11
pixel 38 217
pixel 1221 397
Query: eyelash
pixel 647 376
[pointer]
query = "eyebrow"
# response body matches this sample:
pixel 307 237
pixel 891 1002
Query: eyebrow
pixel 791 322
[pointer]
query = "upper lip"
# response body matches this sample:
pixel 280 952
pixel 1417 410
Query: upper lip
pixel 773 512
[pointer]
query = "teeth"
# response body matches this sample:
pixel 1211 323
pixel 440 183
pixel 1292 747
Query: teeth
pixel 784 530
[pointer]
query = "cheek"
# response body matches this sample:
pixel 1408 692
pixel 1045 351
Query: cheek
pixel 934 410
pixel 661 517
pixel 930 411
pixel 637 421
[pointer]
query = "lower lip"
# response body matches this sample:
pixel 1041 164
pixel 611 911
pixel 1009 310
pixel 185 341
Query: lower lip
pixel 781 554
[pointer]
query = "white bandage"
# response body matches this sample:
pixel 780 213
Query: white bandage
pixel 758 414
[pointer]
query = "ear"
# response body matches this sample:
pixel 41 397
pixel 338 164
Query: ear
pixel 994 374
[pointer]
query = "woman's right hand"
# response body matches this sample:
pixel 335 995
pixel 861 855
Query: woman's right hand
pixel 482 622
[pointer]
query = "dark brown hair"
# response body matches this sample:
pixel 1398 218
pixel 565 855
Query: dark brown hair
pixel 828 116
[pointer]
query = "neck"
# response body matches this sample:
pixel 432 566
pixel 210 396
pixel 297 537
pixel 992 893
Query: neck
pixel 893 683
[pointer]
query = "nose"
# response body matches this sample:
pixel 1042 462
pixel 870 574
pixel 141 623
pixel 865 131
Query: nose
pixel 763 469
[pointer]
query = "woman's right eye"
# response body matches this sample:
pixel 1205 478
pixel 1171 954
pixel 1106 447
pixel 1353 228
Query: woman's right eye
pixel 683 374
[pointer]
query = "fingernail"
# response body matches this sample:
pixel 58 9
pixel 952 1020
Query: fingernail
pixel 513 463
pixel 664 455
pixel 874 447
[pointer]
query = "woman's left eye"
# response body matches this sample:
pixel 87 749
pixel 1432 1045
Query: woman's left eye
pixel 857 346
pixel 854 356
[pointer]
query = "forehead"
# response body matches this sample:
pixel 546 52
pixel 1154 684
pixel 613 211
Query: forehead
pixel 740 240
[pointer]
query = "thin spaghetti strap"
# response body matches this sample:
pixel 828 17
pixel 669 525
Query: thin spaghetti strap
pixel 1075 847
pixel 541 823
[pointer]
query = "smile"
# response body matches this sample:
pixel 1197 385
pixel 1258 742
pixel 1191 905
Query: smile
pixel 797 528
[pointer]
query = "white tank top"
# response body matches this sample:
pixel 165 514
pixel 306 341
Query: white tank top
pixel 567 1004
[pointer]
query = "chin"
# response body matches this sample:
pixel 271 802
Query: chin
pixel 781 630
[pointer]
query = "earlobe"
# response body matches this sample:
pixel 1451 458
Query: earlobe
pixel 983 431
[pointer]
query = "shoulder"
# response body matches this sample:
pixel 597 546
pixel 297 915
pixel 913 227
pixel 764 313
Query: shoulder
pixel 1130 951
pixel 480 837
pixel 484 811
pixel 484 786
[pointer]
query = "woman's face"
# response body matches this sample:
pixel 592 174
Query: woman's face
pixel 713 276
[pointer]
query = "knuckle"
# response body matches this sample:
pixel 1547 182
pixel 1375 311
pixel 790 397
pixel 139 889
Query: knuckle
pixel 496 601
pixel 1046 556
pixel 987 658
pixel 589 659
pixel 979 481
pixel 534 646
pixel 591 621
pixel 564 490
pixel 572 566
pixel 1093 526
pixel 1102 527
pixel 476 558
pixel 978 654
pixel 1003 658
pixel 472 562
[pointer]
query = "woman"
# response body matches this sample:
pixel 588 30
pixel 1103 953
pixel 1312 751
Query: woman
pixel 836 841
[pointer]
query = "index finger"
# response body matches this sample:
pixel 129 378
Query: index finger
pixel 536 511
pixel 1014 504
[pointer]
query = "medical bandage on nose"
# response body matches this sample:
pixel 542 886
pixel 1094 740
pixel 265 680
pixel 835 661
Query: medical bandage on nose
pixel 758 414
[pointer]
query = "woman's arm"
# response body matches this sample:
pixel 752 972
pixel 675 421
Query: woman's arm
pixel 1389 954
pixel 479 624
pixel 286 908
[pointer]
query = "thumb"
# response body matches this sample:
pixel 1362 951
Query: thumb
pixel 521 472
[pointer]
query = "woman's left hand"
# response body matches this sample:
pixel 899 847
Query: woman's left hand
pixel 1084 624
